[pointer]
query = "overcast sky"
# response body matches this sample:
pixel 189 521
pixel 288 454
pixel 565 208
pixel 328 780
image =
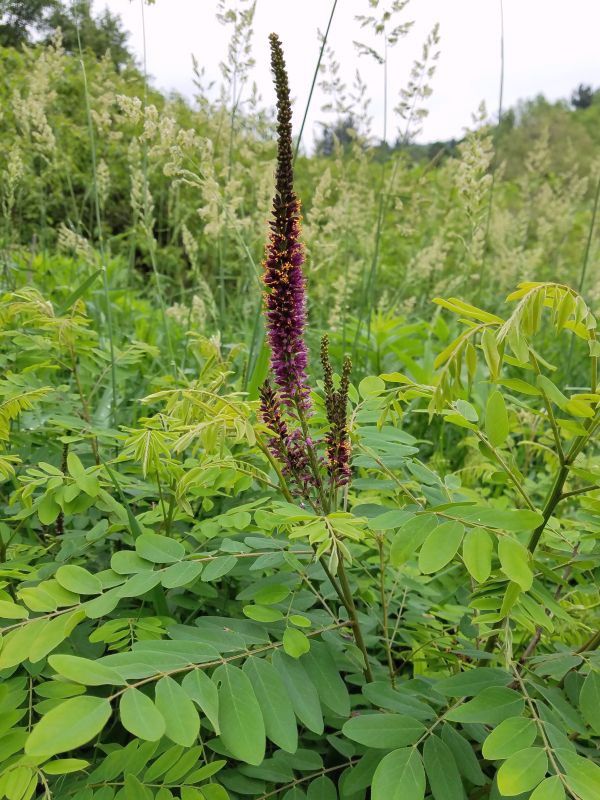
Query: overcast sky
pixel 550 47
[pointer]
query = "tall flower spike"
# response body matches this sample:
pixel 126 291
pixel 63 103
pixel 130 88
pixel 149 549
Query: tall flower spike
pixel 285 288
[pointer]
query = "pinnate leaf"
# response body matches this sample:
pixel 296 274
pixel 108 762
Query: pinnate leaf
pixel 68 726
pixel 477 553
pixel 496 419
pixel 85 671
pixel 383 730
pixel 140 716
pixel 442 772
pixel 589 700
pixel 240 718
pixel 522 771
pixel 180 715
pixel 399 776
pixel 549 789
pixel 512 735
pixel 514 559
pixel 440 546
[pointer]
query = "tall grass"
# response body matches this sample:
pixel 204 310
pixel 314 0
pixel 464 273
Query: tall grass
pixel 385 228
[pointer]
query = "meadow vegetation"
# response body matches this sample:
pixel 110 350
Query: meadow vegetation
pixel 298 502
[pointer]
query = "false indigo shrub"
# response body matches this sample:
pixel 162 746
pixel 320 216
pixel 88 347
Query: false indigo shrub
pixel 213 601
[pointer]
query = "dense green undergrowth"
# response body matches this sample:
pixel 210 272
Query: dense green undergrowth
pixel 193 609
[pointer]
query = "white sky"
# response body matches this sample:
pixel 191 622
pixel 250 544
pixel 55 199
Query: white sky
pixel 550 47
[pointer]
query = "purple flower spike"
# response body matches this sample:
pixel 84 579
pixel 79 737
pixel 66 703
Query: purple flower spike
pixel 285 286
pixel 286 446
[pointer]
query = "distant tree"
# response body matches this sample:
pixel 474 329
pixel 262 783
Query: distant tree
pixel 582 97
pixel 97 33
pixel 342 131
pixel 19 19
pixel 25 21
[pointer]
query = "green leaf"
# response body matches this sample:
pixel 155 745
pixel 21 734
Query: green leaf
pixel 127 562
pixel 163 763
pixel 551 390
pixel 381 694
pixel 199 687
pixel 262 613
pixel 383 730
pixel 214 791
pixel 78 292
pixel 180 715
pixel 464 756
pixel 295 643
pixel 492 706
pixel 78 580
pixel 275 705
pixel 180 574
pixel 323 673
pixel 372 386
pixel 518 385
pixel 477 553
pixel 300 620
pixel 410 537
pixel 388 520
pixel 399 776
pixel 496 419
pixel 53 632
pixel 440 546
pixel 515 561
pixel 85 671
pixel 471 682
pixel 10 610
pixel 301 691
pixel 217 568
pixel 512 735
pixel 491 353
pixel 513 520
pixel 48 509
pixel 17 644
pixel 202 773
pixel 240 718
pixel 159 549
pixel 134 789
pixel 268 595
pixel 589 701
pixel 68 726
pixel 140 716
pixel 322 788
pixel 583 775
pixel 522 771
pixel 84 481
pixel 14 783
pixel 443 775
pixel 65 766
pixel 549 789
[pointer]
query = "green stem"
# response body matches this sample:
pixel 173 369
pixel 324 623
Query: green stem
pixel 107 301
pixel 507 470
pixel 495 162
pixel 313 459
pixel 384 613
pixel 273 462
pixel 314 80
pixel 592 644
pixel 351 608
